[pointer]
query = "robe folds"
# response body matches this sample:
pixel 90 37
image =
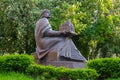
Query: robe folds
pixel 48 40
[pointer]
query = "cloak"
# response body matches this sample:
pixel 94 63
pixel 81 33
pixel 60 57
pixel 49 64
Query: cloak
pixel 48 40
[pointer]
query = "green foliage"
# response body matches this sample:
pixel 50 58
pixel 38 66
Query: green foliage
pixel 113 79
pixel 97 23
pixel 106 67
pixel 60 73
pixel 13 76
pixel 15 62
pixel 25 64
pixel 99 34
pixel 17 24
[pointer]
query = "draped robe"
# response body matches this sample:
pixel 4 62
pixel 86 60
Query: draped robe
pixel 48 40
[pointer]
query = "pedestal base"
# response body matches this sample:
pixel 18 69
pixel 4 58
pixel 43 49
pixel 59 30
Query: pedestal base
pixel 51 59
pixel 68 64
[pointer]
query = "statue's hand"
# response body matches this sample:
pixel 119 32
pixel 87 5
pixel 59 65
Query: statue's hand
pixel 70 33
pixel 73 33
pixel 63 33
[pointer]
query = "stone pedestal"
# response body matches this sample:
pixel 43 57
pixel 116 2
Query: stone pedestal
pixel 68 64
pixel 52 59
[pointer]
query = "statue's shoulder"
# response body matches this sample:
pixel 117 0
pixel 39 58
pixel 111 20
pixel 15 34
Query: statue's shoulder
pixel 43 21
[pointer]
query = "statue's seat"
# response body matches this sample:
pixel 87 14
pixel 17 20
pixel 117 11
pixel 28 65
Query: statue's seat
pixel 52 59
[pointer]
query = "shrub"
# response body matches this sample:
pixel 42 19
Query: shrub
pixel 106 67
pixel 18 62
pixel 25 64
pixel 60 73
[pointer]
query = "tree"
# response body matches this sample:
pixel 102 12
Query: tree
pixel 17 24
pixel 95 21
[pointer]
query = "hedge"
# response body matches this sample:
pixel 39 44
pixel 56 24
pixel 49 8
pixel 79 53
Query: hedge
pixel 106 67
pixel 61 73
pixel 16 62
pixel 25 64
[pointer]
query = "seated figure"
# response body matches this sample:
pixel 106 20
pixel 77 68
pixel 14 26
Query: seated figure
pixel 49 41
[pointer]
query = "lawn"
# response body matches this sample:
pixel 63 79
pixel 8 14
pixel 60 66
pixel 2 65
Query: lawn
pixel 13 76
pixel 20 76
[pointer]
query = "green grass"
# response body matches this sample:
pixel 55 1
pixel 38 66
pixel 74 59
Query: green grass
pixel 13 76
pixel 20 76
pixel 112 79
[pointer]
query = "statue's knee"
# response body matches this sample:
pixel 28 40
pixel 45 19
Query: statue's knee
pixel 52 56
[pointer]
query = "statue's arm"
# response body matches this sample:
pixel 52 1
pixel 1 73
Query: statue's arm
pixel 52 33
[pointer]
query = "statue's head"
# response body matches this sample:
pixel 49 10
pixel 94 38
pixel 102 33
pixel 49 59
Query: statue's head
pixel 45 14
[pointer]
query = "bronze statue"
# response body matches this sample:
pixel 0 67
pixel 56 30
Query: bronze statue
pixel 48 40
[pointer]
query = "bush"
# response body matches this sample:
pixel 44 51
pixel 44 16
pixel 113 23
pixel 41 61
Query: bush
pixel 25 64
pixel 60 73
pixel 15 62
pixel 106 67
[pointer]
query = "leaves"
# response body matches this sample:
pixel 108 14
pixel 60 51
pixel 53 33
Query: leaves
pixel 96 22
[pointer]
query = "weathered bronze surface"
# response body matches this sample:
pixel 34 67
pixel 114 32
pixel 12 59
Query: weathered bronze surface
pixel 54 45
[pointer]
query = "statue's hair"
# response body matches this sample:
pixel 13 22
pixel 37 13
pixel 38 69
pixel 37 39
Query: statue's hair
pixel 43 11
